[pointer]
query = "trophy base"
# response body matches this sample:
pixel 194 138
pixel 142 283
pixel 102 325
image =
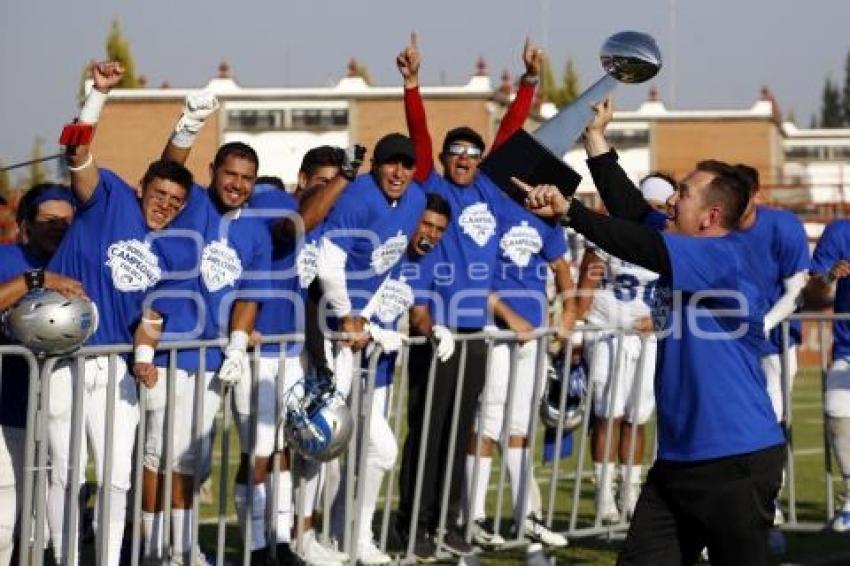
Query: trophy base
pixel 525 158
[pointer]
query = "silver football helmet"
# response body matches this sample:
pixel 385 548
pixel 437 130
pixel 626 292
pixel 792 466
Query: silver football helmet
pixel 574 408
pixel 318 423
pixel 49 323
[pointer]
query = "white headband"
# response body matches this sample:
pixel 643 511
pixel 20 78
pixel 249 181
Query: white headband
pixel 656 188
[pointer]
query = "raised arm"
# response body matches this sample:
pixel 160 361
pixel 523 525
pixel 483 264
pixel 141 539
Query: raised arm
pixel 408 62
pixel 197 107
pixel 316 202
pixel 81 165
pixel 618 192
pixel 518 111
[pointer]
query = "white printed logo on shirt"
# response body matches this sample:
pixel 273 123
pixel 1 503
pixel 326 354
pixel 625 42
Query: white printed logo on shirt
pixel 133 265
pixel 478 223
pixel 394 299
pixel 387 254
pixel 220 265
pixel 520 243
pixel 306 264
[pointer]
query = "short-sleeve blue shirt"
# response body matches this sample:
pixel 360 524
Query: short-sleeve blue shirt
pixel 469 250
pixel 834 245
pixel 14 387
pixel 710 388
pixel 527 245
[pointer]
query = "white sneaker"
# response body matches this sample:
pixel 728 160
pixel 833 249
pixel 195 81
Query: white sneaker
pixel 483 535
pixel 629 500
pixel 606 510
pixel 369 554
pixel 315 553
pixel 841 522
pixel 778 516
pixel 186 559
pixel 535 529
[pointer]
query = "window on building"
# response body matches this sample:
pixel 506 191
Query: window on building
pixel 255 120
pixel 319 118
pixel 624 139
pixel 818 153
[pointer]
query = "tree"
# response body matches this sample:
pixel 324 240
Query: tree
pixel 845 99
pixel 363 72
pixel 38 174
pixel 830 113
pixel 564 92
pixel 118 49
pixel 571 87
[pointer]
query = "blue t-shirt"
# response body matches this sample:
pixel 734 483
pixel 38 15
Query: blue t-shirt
pixel 469 250
pixel 779 240
pixel 409 283
pixel 234 264
pixel 527 245
pixel 283 312
pixel 14 386
pixel 373 232
pixel 120 261
pixel 709 385
pixel 834 245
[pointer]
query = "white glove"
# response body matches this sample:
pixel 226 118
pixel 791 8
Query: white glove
pixel 196 109
pixel 234 367
pixel 389 340
pixel 235 358
pixel 445 342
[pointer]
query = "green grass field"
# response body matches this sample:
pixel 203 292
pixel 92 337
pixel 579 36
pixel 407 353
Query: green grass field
pixel 807 545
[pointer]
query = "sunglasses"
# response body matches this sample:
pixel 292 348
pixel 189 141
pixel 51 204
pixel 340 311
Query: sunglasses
pixel 470 151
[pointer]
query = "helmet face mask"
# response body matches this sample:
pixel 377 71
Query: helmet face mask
pixel 50 324
pixel 574 406
pixel 318 422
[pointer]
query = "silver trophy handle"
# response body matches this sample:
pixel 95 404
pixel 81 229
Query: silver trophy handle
pixel 629 57
pixel 560 132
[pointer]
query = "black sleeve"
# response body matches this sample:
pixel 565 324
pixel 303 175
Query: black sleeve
pixel 625 239
pixel 621 197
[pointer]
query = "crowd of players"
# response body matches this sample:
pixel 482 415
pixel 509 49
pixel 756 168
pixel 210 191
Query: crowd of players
pixel 350 256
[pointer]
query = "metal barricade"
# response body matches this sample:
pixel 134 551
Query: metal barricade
pixel 565 514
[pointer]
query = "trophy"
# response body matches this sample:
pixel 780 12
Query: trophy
pixel 537 158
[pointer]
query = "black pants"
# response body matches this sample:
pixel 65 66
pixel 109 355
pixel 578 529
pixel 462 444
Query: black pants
pixel 439 431
pixel 725 504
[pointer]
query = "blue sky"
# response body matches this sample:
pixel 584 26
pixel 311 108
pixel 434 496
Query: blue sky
pixel 720 54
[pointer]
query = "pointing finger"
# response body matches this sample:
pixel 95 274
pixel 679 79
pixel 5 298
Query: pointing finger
pixel 522 185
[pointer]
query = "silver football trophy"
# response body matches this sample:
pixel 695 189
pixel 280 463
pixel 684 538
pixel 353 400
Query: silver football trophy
pixel 537 158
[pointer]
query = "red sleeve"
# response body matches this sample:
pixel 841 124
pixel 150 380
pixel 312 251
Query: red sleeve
pixel 517 112
pixel 417 127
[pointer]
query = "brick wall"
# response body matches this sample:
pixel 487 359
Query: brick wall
pixel 131 134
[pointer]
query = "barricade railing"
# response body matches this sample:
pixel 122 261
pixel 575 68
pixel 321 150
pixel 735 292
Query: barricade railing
pixel 353 464
pixel 825 362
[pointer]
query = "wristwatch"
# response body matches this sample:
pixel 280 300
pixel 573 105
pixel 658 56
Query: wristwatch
pixel 34 278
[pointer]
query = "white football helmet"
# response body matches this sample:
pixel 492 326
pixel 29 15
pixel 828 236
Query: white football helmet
pixel 318 423
pixel 49 323
pixel 574 408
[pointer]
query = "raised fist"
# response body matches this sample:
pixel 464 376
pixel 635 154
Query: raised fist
pixel 106 75
pixel 200 105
